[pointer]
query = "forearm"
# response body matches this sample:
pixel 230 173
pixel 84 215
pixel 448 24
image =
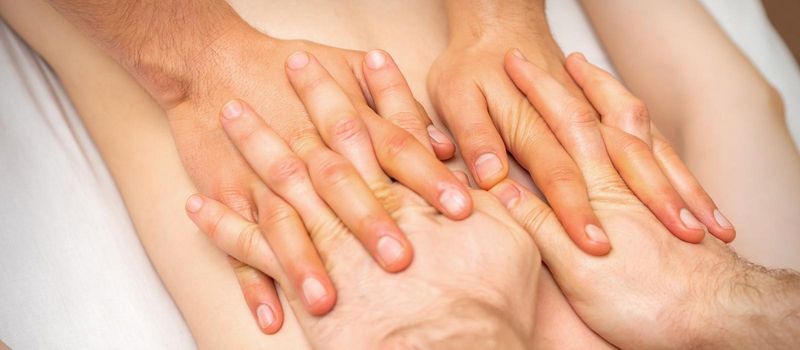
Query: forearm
pixel 476 19
pixel 758 308
pixel 154 40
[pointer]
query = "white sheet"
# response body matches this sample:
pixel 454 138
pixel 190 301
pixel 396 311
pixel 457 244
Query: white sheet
pixel 72 272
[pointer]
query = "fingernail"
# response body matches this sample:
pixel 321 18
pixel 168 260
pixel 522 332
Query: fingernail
pixel 313 291
pixel 721 219
pixel 297 60
pixel 232 109
pixel 436 135
pixel 453 201
pixel 390 250
pixel 488 165
pixel 690 220
pixel 265 316
pixel 581 56
pixel 508 194
pixel 596 234
pixel 376 59
pixel 194 203
pixel 517 53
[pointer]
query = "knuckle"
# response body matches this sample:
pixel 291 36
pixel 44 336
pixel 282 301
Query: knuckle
pixel 408 121
pixel 534 217
pixel 347 128
pixel 312 84
pixel 247 242
pixel 391 87
pixel 236 199
pixel 634 147
pixel 333 172
pixel 561 175
pixel 582 116
pixel 275 218
pixel 396 144
pixel 635 112
pixel 288 170
pixel 576 115
pixel 662 148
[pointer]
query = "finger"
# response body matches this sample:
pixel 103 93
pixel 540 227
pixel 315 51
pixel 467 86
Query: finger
pixel 394 101
pixel 530 212
pixel 572 120
pixel 461 176
pixel 559 179
pixel 617 106
pixel 260 295
pixel 330 176
pixel 406 160
pixel 483 150
pixel 638 167
pixel 239 238
pixel 340 126
pixel 295 252
pixel 699 202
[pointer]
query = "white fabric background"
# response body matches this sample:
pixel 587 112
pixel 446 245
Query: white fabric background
pixel 72 272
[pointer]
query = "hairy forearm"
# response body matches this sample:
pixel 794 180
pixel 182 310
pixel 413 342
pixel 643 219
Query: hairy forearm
pixel 154 40
pixel 768 309
pixel 474 19
pixel 758 308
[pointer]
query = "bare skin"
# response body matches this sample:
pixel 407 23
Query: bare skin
pixel 114 147
pixel 715 96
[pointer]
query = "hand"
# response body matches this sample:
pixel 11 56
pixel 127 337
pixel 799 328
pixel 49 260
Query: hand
pixel 207 55
pixel 652 290
pixel 456 287
pixel 487 114
pixel 543 143
pixel 331 152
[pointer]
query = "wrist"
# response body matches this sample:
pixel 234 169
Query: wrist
pixel 754 306
pixel 168 56
pixel 488 20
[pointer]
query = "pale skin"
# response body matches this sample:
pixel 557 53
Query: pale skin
pixel 210 55
pixel 121 168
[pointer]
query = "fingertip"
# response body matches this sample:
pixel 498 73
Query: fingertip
pixel 508 192
pixel 376 59
pixel 595 241
pixel 298 60
pixel 269 319
pixel 489 168
pixel 194 203
pixel 456 201
pixel 442 146
pixel 394 253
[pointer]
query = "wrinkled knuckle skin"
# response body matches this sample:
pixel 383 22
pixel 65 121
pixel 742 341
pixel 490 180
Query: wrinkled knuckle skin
pixel 561 175
pixel 582 116
pixel 634 147
pixel 237 200
pixel 308 86
pixel 288 171
pixel 275 218
pixel 246 243
pixel 333 172
pixel 534 216
pixel 635 113
pixel 390 88
pixel 409 121
pixel 396 144
pixel 347 129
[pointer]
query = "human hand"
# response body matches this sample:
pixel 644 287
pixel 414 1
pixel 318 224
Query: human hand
pixel 652 290
pixel 456 290
pixel 331 152
pixel 488 114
